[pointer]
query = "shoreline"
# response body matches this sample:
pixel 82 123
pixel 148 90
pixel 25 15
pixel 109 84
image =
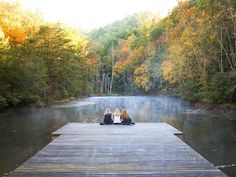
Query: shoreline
pixel 226 109
pixel 204 107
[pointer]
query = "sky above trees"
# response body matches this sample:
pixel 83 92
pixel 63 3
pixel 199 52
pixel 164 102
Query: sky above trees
pixel 89 14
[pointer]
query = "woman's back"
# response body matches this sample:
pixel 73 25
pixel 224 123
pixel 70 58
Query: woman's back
pixel 117 117
pixel 107 119
pixel 107 116
pixel 125 117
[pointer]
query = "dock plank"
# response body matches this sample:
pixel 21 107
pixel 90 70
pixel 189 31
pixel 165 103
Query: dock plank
pixel 145 149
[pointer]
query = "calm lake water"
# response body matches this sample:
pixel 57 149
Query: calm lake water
pixel 24 132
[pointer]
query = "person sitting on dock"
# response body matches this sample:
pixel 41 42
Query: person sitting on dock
pixel 117 119
pixel 126 120
pixel 107 117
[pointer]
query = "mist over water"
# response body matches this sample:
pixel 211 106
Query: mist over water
pixel 140 109
pixel 25 131
pixel 143 109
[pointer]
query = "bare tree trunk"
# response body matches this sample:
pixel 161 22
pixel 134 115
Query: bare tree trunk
pixel 111 83
pixel 102 83
pixel 97 81
pixel 227 56
pixel 233 18
pixel 221 57
pixel 230 45
pixel 197 58
pixel 108 84
pixel 112 61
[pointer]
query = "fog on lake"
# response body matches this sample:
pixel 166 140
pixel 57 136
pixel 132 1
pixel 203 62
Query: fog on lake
pixel 25 131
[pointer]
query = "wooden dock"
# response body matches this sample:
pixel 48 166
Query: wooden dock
pixel 144 149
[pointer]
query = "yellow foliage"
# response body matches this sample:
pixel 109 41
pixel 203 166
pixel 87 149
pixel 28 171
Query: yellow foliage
pixel 4 43
pixel 16 23
pixel 142 77
pixel 118 68
pixel 2 36
pixel 124 45
pixel 167 69
pixel 137 56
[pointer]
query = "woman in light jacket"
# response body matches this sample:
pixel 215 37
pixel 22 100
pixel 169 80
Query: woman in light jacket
pixel 116 115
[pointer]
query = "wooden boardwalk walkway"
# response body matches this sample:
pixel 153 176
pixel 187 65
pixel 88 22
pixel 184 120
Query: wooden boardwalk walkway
pixel 145 149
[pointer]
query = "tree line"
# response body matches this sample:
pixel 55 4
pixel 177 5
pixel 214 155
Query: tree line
pixel 190 53
pixel 42 61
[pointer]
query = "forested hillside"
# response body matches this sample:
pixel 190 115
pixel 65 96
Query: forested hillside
pixel 112 43
pixel 41 61
pixel 191 53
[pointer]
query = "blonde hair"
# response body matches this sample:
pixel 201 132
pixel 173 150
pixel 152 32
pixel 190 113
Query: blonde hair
pixel 124 114
pixel 117 112
pixel 107 111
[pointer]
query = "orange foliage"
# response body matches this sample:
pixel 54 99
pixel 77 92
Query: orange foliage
pixel 16 23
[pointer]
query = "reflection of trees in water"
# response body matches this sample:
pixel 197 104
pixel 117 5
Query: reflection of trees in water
pixel 211 137
pixel 214 138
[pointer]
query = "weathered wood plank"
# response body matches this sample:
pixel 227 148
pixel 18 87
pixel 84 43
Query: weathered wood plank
pixel 75 128
pixel 159 174
pixel 145 149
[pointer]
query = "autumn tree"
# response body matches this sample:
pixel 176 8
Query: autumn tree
pixel 17 24
pixel 200 44
pixel 42 62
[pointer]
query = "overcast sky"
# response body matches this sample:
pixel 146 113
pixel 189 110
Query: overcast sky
pixel 89 14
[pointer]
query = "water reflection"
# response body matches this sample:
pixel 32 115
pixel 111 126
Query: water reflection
pixel 24 132
pixel 213 138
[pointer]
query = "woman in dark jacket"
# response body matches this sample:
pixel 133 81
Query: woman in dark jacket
pixel 126 120
pixel 107 117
